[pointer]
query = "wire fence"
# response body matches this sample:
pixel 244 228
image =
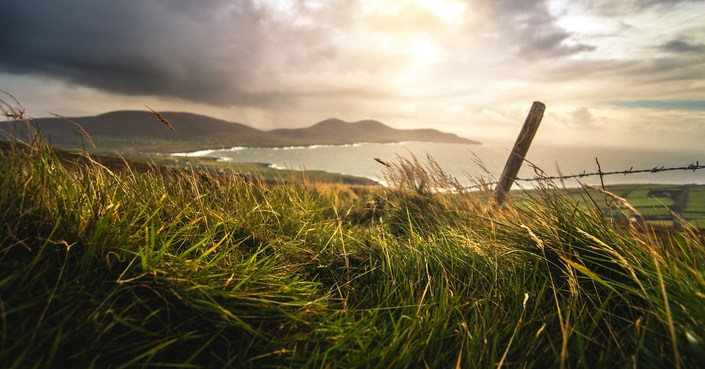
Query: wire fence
pixel 690 167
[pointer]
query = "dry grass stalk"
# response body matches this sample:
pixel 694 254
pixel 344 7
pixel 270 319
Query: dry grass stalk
pixel 13 111
pixel 614 197
pixel 162 118
pixel 84 134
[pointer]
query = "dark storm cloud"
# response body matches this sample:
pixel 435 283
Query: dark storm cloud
pixel 209 51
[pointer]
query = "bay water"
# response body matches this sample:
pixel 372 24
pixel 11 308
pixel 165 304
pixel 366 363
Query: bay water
pixel 461 160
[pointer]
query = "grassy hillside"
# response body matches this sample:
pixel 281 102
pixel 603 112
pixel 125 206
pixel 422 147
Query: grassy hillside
pixel 127 268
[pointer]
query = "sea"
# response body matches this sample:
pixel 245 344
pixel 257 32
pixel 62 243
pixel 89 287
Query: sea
pixel 468 162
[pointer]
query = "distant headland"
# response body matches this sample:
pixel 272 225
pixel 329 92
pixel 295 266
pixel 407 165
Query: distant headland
pixel 130 131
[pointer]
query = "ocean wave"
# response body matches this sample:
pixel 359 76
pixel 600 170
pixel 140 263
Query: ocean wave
pixel 277 167
pixel 315 146
pixel 207 152
pixel 195 153
pixel 236 148
pixel 382 182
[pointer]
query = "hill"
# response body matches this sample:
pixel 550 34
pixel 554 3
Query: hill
pixel 141 131
pixel 335 132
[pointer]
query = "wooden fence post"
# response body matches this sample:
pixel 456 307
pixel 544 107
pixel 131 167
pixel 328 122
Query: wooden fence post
pixel 521 147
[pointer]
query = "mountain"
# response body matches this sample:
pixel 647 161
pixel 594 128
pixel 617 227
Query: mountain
pixel 336 132
pixel 127 131
pixel 141 126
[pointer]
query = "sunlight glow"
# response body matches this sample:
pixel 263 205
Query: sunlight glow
pixel 448 10
pixel 423 51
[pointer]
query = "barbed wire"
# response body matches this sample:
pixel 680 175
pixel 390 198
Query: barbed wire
pixel 600 173
pixel 691 167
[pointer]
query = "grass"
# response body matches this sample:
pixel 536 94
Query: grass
pixel 124 268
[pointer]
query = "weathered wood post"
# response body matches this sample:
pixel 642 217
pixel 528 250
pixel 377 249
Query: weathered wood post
pixel 521 147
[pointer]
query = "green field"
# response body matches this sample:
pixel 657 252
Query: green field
pixel 667 205
pixel 695 208
pixel 142 266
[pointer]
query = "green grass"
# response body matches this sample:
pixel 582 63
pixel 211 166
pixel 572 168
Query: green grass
pixel 101 267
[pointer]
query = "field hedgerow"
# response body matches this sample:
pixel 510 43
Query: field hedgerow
pixel 120 268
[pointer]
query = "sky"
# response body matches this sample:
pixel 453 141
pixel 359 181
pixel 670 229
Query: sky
pixel 628 72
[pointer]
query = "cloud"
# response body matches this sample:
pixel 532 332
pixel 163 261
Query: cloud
pixel 682 47
pixel 530 26
pixel 624 8
pixel 582 117
pixel 252 52
pixel 693 105
pixel 213 51
pixel 646 3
